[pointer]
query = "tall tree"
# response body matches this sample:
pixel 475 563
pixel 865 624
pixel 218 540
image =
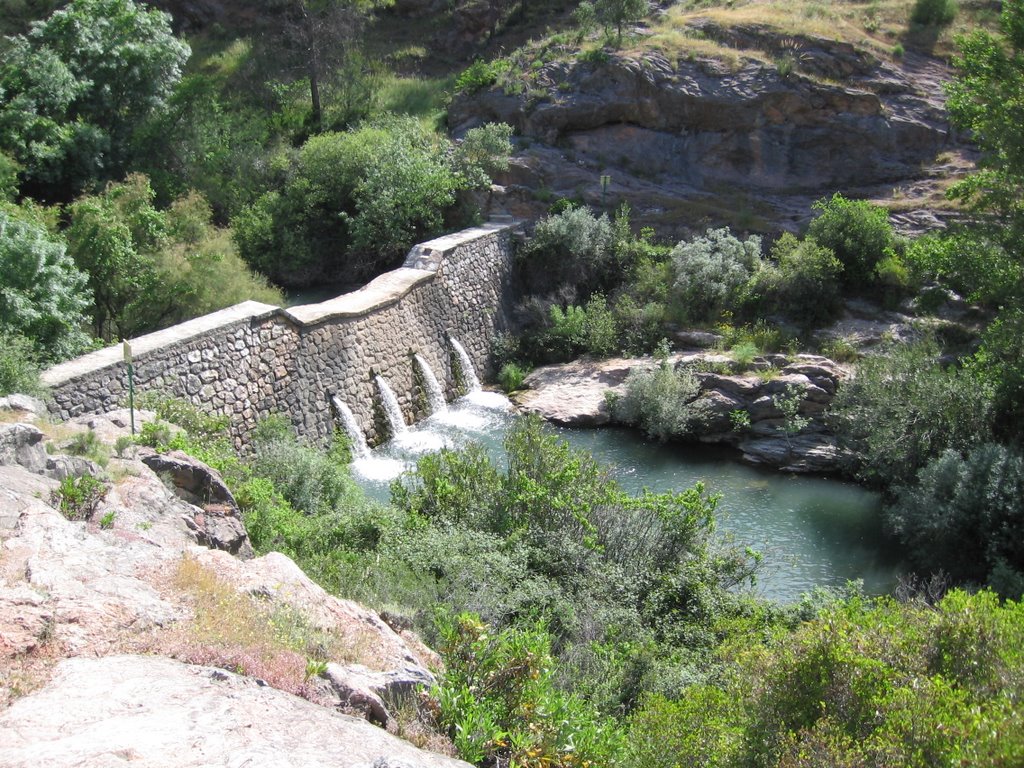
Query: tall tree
pixel 76 87
pixel 987 98
pixel 43 296
pixel 309 38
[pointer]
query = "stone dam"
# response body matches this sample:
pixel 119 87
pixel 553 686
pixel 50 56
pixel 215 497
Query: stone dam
pixel 253 359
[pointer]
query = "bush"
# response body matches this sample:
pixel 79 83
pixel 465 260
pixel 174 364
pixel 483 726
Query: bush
pixel 499 702
pixel 802 284
pixel 313 482
pixel 658 401
pixel 934 12
pixel 19 368
pixel 572 250
pixel 963 516
pixel 970 263
pixel 77 498
pixel 903 409
pixel 857 232
pixel 711 273
pixel 511 377
pixel 480 74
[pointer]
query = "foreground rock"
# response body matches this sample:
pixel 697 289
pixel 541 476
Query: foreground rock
pixel 133 576
pixel 577 394
pixel 152 711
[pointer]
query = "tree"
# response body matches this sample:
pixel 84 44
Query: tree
pixel 43 296
pixel 308 38
pixel 617 13
pixel 75 88
pixel 986 97
pixel 711 272
pixel 857 232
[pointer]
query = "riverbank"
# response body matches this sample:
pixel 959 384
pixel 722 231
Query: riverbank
pixel 738 406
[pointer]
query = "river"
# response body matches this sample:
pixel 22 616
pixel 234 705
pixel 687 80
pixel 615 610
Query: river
pixel 812 531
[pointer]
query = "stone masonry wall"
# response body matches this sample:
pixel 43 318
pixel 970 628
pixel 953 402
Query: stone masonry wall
pixel 254 359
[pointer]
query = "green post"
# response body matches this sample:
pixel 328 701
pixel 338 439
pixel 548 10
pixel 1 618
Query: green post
pixel 606 181
pixel 131 383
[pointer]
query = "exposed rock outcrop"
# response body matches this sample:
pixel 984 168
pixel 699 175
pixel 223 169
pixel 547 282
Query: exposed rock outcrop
pixel 576 394
pixel 690 141
pixel 152 711
pixel 84 589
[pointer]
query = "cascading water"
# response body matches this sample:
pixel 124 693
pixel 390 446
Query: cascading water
pixel 435 395
pixel 392 410
pixel 360 450
pixel 468 373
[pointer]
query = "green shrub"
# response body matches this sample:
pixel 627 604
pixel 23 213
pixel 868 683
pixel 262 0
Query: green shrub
pixel 857 232
pixel 78 497
pixel 480 74
pixel 964 513
pixel 511 377
pixel 89 445
pixel 573 249
pixel 840 350
pixel 19 368
pixel 969 262
pixel 744 353
pixel 711 273
pixel 658 401
pixel 313 482
pixel 640 327
pixel 703 728
pixel 903 409
pixel 499 702
pixel 802 284
pixel 934 12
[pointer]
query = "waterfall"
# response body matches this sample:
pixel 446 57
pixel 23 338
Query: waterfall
pixel 360 450
pixel 468 374
pixel 435 395
pixel 391 408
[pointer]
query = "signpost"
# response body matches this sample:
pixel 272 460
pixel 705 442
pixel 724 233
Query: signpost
pixel 131 383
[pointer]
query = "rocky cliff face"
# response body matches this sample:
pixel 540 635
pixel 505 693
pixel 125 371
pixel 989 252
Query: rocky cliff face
pixel 121 633
pixel 697 141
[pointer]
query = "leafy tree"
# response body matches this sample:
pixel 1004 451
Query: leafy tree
pixel 964 515
pixel 75 88
pixel 986 97
pixel 150 268
pixel 617 13
pixel 43 296
pixel 306 39
pixel 112 237
pixel 857 232
pixel 19 366
pixel 355 201
pixel 712 272
pixel 904 408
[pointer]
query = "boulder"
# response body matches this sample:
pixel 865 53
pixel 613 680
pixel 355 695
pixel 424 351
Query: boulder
pixel 153 711
pixel 212 516
pixel 354 686
pixel 31 406
pixel 22 445
pixel 801 453
pixel 574 394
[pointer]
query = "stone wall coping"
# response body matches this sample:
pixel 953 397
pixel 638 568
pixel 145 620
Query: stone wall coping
pixel 421 264
pixel 379 292
pixel 186 331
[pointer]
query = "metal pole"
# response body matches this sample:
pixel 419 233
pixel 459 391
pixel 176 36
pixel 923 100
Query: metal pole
pixel 131 384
